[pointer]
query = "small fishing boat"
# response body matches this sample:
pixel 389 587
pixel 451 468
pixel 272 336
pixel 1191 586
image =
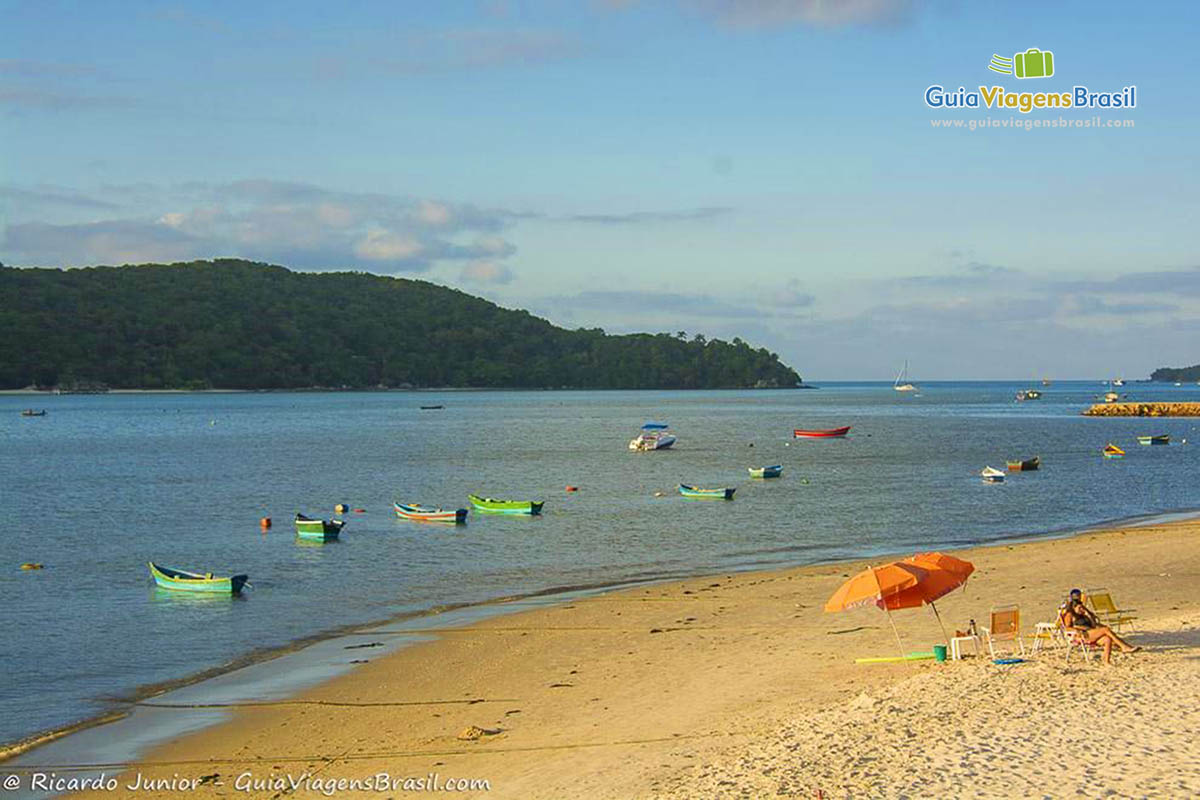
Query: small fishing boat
pixel 827 433
pixel 766 472
pixel 991 475
pixel 1029 394
pixel 1161 438
pixel 487 505
pixel 1118 382
pixel 1111 397
pixel 1026 465
pixel 169 578
pixel 29 412
pixel 431 408
pixel 711 494
pixel 654 436
pixel 427 514
pixel 318 529
pixel 1112 451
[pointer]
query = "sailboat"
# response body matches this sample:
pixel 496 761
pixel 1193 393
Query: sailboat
pixel 902 384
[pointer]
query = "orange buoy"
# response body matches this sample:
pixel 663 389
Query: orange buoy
pixel 265 522
pixel 572 488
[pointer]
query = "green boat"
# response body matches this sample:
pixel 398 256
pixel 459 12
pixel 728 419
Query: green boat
pixel 208 583
pixel 710 494
pixel 488 505
pixel 321 530
pixel 766 472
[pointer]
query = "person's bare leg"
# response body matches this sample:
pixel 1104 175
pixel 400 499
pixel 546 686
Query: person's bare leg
pixel 1107 650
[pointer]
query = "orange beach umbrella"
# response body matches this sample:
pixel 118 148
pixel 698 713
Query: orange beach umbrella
pixel 875 585
pixel 943 574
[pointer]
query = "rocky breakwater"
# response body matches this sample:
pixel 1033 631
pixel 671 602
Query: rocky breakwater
pixel 1143 410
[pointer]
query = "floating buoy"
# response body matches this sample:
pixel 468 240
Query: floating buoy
pixel 265 523
pixel 572 488
pixel 341 508
pixel 31 565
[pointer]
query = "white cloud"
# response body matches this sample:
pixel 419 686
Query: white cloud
pixel 379 245
pixel 483 271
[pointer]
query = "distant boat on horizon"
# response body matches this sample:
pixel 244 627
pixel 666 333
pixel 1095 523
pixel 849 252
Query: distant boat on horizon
pixel 902 384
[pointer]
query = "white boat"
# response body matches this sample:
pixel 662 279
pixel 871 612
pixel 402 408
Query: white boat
pixel 1111 397
pixel 1118 382
pixel 991 475
pixel 902 384
pixel 654 436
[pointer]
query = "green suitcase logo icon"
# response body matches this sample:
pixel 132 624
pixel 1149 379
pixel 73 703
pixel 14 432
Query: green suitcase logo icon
pixel 1034 63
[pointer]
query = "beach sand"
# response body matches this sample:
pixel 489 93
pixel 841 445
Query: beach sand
pixel 741 686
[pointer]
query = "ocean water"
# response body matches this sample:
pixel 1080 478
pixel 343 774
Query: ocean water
pixel 103 484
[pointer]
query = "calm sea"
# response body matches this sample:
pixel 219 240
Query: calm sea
pixel 102 484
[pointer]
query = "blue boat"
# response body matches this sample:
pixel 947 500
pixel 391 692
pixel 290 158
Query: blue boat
pixel 709 494
pixel 766 472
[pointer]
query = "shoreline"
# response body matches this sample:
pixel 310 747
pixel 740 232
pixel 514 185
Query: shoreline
pixel 137 695
pixel 494 615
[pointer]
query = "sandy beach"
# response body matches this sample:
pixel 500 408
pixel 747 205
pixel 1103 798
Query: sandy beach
pixel 741 686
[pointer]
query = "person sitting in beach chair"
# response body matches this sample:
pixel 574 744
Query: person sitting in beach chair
pixel 1079 619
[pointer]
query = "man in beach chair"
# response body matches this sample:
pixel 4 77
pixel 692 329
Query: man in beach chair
pixel 1079 622
pixel 1102 604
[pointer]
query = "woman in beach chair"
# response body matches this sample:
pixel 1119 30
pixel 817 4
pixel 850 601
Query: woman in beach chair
pixel 1078 618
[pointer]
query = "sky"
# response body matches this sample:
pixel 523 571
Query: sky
pixel 768 169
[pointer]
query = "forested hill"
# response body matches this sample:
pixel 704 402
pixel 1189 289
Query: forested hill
pixel 1176 374
pixel 236 324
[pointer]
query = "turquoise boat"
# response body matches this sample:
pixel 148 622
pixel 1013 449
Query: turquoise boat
pixel 766 472
pixel 322 530
pixel 487 505
pixel 712 494
pixel 186 581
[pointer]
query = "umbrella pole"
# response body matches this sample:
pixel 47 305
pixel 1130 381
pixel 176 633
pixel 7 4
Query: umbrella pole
pixel 945 635
pixel 898 642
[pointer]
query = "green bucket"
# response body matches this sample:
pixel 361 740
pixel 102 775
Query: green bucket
pixel 939 652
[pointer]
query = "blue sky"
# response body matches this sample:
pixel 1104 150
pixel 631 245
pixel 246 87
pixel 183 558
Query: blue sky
pixel 763 168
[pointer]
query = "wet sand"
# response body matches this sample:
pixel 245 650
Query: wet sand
pixel 740 685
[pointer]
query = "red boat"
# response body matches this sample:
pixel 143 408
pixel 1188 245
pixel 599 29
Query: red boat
pixel 831 432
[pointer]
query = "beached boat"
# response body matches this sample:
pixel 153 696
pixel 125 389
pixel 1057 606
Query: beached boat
pixel 318 529
pixel 1026 465
pixel 1029 394
pixel 711 494
pixel 991 475
pixel 183 580
pixel 902 384
pixel 654 436
pixel 766 472
pixel 420 513
pixel 1112 451
pixel 487 505
pixel 800 433
pixel 1161 438
pixel 29 412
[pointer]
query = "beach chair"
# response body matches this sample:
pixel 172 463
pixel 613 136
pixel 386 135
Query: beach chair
pixel 1075 641
pixel 1004 626
pixel 1102 603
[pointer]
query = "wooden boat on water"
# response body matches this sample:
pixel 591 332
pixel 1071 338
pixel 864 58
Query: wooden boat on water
pixel 321 530
pixel 1112 451
pixel 420 513
pixel 431 408
pixel 183 580
pixel 766 472
pixel 828 433
pixel 488 505
pixel 1161 438
pixel 710 494
pixel 29 412
pixel 991 475
pixel 1026 465
pixel 1029 394
pixel 654 436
